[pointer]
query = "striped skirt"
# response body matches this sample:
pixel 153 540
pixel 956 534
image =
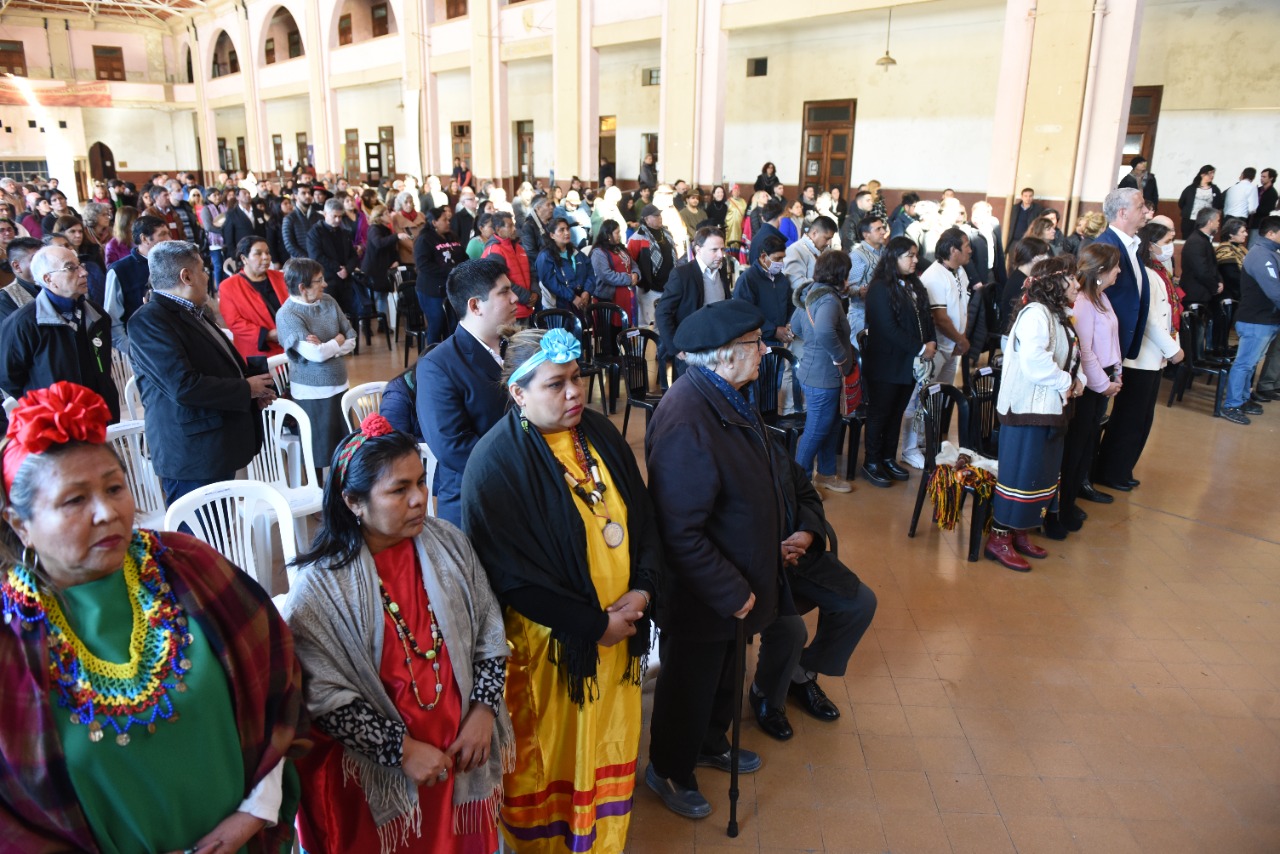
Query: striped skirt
pixel 1030 465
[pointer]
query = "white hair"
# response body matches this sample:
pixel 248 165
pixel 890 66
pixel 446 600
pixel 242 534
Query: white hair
pixel 44 262
pixel 401 198
pixel 1120 199
pixel 711 359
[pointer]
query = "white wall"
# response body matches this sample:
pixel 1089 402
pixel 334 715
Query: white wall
pixel 453 104
pixel 622 95
pixel 58 146
pixel 529 99
pixel 287 117
pixel 1217 61
pixel 144 139
pixel 926 123
pixel 367 108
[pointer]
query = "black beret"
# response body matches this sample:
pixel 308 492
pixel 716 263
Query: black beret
pixel 716 325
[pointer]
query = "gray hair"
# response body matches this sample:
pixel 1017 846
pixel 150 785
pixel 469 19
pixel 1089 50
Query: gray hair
pixel 400 200
pixel 43 263
pixel 166 261
pixel 93 210
pixel 333 205
pixel 1121 199
pixel 712 359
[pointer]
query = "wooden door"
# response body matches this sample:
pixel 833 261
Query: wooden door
pixel 242 152
pixel 373 161
pixel 1140 135
pixel 277 152
pixel 827 144
pixel 300 140
pixel 387 139
pixel 102 163
pixel 351 153
pixel 524 150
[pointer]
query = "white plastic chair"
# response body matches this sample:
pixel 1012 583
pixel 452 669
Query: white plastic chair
pixel 133 399
pixel 127 440
pixel 121 374
pixel 10 404
pixel 286 462
pixel 231 517
pixel 364 399
pixel 429 462
pixel 279 367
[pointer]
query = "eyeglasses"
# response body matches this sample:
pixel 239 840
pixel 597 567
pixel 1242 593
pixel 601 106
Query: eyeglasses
pixel 70 268
pixel 756 342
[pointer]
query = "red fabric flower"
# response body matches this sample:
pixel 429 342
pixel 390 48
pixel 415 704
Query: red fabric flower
pixel 375 425
pixel 61 413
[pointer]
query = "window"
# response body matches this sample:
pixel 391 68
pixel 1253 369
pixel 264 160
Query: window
pixel 650 76
pixel 344 29
pixel 108 62
pixel 271 51
pixel 455 8
pixel 233 61
pixel 303 155
pixel 277 151
pixel 387 141
pixel 380 25
pixel 758 67
pixel 295 44
pixel 13 59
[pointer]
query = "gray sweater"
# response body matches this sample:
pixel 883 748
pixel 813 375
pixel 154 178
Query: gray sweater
pixel 827 351
pixel 323 319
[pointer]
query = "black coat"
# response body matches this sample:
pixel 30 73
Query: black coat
pixel 533 239
pixel 716 487
pixel 894 339
pixel 381 253
pixel 434 256
pixel 40 349
pixel 201 419
pixel 683 296
pixel 1268 199
pixel 237 225
pixel 1187 201
pixel 331 248
pixel 1149 191
pixel 1200 277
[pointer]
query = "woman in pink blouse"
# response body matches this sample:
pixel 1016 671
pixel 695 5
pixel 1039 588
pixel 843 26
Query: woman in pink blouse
pixel 1097 332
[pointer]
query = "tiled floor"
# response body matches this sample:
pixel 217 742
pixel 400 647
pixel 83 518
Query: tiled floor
pixel 1124 696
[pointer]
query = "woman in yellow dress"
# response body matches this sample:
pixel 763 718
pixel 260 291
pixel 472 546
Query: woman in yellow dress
pixel 554 502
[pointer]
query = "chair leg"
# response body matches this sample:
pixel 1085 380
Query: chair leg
pixel 920 493
pixel 626 419
pixel 976 526
pixel 1173 390
pixel 386 327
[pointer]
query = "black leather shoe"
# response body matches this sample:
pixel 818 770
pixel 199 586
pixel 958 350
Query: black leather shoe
pixel 686 802
pixel 1053 527
pixel 772 719
pixel 748 761
pixel 894 470
pixel 1134 482
pixel 876 475
pixel 1251 408
pixel 1266 396
pixel 813 700
pixel 1118 485
pixel 1088 493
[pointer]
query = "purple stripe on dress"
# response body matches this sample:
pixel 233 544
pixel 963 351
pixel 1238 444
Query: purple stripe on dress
pixel 561 828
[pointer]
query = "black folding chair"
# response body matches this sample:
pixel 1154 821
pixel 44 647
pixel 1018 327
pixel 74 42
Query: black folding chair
pixel 368 312
pixel 633 344
pixel 939 403
pixel 1196 361
pixel 767 386
pixel 410 318
pixel 559 318
pixel 604 321
pixel 982 388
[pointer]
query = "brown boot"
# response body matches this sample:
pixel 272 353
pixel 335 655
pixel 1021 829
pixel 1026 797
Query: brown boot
pixel 1000 548
pixel 1022 542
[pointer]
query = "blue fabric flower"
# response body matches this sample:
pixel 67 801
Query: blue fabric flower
pixel 561 346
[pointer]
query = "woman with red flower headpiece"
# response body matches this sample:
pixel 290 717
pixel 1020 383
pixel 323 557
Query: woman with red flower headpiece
pixel 128 722
pixel 404 652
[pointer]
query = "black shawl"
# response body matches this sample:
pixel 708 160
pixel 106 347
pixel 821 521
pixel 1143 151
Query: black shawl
pixel 526 527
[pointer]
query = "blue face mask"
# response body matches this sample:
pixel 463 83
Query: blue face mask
pixel 775 268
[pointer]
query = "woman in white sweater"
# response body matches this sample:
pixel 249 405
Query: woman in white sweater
pixel 1042 375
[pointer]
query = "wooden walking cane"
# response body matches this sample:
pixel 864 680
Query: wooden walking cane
pixel 739 674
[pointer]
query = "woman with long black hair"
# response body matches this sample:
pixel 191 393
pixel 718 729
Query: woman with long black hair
pixel 1199 194
pixel 899 333
pixel 436 251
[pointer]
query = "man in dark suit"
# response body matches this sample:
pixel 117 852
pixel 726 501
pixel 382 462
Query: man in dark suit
pixel 1140 178
pixel 692 286
pixel 1268 199
pixel 330 244
pixel 1024 214
pixel 460 393
pixel 1201 280
pixel 202 399
pixel 298 224
pixel 241 221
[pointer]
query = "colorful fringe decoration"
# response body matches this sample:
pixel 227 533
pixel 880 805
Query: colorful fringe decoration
pixel 946 489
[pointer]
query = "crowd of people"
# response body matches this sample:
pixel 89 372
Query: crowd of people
pixel 529 601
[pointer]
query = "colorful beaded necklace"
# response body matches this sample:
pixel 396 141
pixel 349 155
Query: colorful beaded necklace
pixel 408 642
pixel 101 693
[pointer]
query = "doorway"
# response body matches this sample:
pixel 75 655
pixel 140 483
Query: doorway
pixel 102 163
pixel 387 139
pixel 1140 135
pixel 373 161
pixel 609 141
pixel 827 143
pixel 243 153
pixel 524 151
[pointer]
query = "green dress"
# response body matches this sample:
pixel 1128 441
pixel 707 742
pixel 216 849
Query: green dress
pixel 165 790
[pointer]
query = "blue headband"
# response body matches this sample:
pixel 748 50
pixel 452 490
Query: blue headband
pixel 558 346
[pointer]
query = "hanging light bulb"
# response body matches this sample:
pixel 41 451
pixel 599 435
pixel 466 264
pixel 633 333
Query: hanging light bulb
pixel 887 60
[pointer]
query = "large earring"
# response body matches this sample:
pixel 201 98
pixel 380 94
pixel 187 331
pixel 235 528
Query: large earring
pixel 524 422
pixel 29 557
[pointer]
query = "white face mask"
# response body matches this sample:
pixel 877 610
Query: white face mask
pixel 1165 253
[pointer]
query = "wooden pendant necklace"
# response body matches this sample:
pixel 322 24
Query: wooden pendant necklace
pixel 410 644
pixel 614 533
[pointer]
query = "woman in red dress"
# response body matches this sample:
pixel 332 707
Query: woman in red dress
pixel 402 645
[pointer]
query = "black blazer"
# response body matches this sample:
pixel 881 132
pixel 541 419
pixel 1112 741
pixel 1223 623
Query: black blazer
pixel 1149 190
pixel 201 420
pixel 1187 201
pixel 236 226
pixel 460 396
pixel 893 341
pixel 683 296
pixel 1200 277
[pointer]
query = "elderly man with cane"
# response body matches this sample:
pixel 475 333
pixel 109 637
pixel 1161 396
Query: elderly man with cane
pixel 715 481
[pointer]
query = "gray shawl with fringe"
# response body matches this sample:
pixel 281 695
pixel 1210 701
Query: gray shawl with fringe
pixel 336 617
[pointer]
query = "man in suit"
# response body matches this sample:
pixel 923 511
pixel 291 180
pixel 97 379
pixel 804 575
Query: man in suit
pixel 1201 280
pixel 202 399
pixel 241 221
pixel 330 244
pixel 1140 178
pixel 691 286
pixel 1024 214
pixel 298 225
pixel 1130 298
pixel 460 393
